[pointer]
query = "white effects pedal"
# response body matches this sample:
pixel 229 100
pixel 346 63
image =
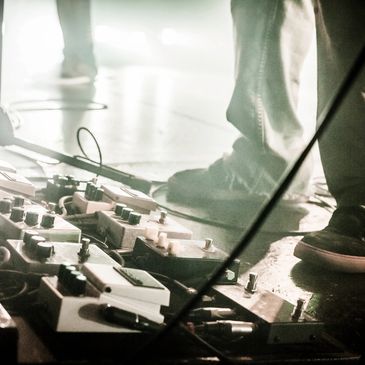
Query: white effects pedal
pixel 16 216
pixel 71 301
pixel 13 182
pixel 35 254
pixel 105 197
pixel 123 225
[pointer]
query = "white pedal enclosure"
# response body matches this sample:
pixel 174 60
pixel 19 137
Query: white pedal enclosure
pixel 14 220
pixel 135 199
pixel 16 183
pixel 122 233
pixel 46 257
pixel 83 205
pixel 72 301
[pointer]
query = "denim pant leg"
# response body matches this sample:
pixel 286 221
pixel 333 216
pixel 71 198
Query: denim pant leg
pixel 272 39
pixel 75 20
pixel 340 36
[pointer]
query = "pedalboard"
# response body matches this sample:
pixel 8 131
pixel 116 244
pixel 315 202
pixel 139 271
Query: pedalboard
pixel 35 254
pixel 73 300
pixel 123 225
pixel 183 259
pixel 16 217
pixel 278 321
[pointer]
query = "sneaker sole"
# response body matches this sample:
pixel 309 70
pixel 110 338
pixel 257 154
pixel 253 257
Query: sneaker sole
pixel 331 260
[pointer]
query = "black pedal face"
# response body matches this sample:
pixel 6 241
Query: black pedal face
pixel 190 261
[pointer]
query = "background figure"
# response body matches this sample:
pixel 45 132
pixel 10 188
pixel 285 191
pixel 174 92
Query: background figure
pixel 75 21
pixel 272 40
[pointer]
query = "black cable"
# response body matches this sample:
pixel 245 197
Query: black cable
pixel 220 224
pixel 324 120
pixel 96 143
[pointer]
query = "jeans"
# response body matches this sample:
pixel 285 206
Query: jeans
pixel 340 36
pixel 272 39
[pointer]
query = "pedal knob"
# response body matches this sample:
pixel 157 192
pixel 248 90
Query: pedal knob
pixel 134 218
pixel 5 206
pixel 17 214
pixel 99 194
pixel 48 220
pixel 251 285
pixel 162 241
pixel 64 274
pixel 34 240
pixel 91 191
pixel 151 233
pixel 125 213
pixel 28 234
pixel 18 201
pixel 44 250
pixel 51 207
pixel 62 180
pixel 62 270
pixel 78 282
pixel 173 248
pixel 208 246
pixel 119 208
pixel 84 250
pixel 299 309
pixel 163 216
pixel 31 218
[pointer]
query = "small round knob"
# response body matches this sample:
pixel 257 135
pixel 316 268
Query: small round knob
pixel 134 218
pixel 163 216
pixel 99 194
pixel 17 214
pixel 34 240
pixel 5 206
pixel 65 275
pixel 31 218
pixel 28 234
pixel 119 208
pixel 48 220
pixel 77 285
pixel 18 201
pixel 62 180
pixel 125 213
pixel 44 250
pixel 251 285
pixel 84 250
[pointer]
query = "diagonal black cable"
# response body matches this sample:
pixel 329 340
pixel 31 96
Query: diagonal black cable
pixel 323 121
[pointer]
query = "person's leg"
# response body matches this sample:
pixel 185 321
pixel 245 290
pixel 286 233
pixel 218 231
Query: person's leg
pixel 340 37
pixel 75 21
pixel 272 39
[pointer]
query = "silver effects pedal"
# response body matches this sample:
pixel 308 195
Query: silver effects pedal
pixel 278 321
pixel 183 259
pixel 73 300
pixel 123 225
pixel 16 217
pixel 36 254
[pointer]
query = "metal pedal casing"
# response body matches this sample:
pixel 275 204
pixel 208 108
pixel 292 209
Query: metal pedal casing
pixel 60 230
pixel 123 234
pixel 26 259
pixel 192 259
